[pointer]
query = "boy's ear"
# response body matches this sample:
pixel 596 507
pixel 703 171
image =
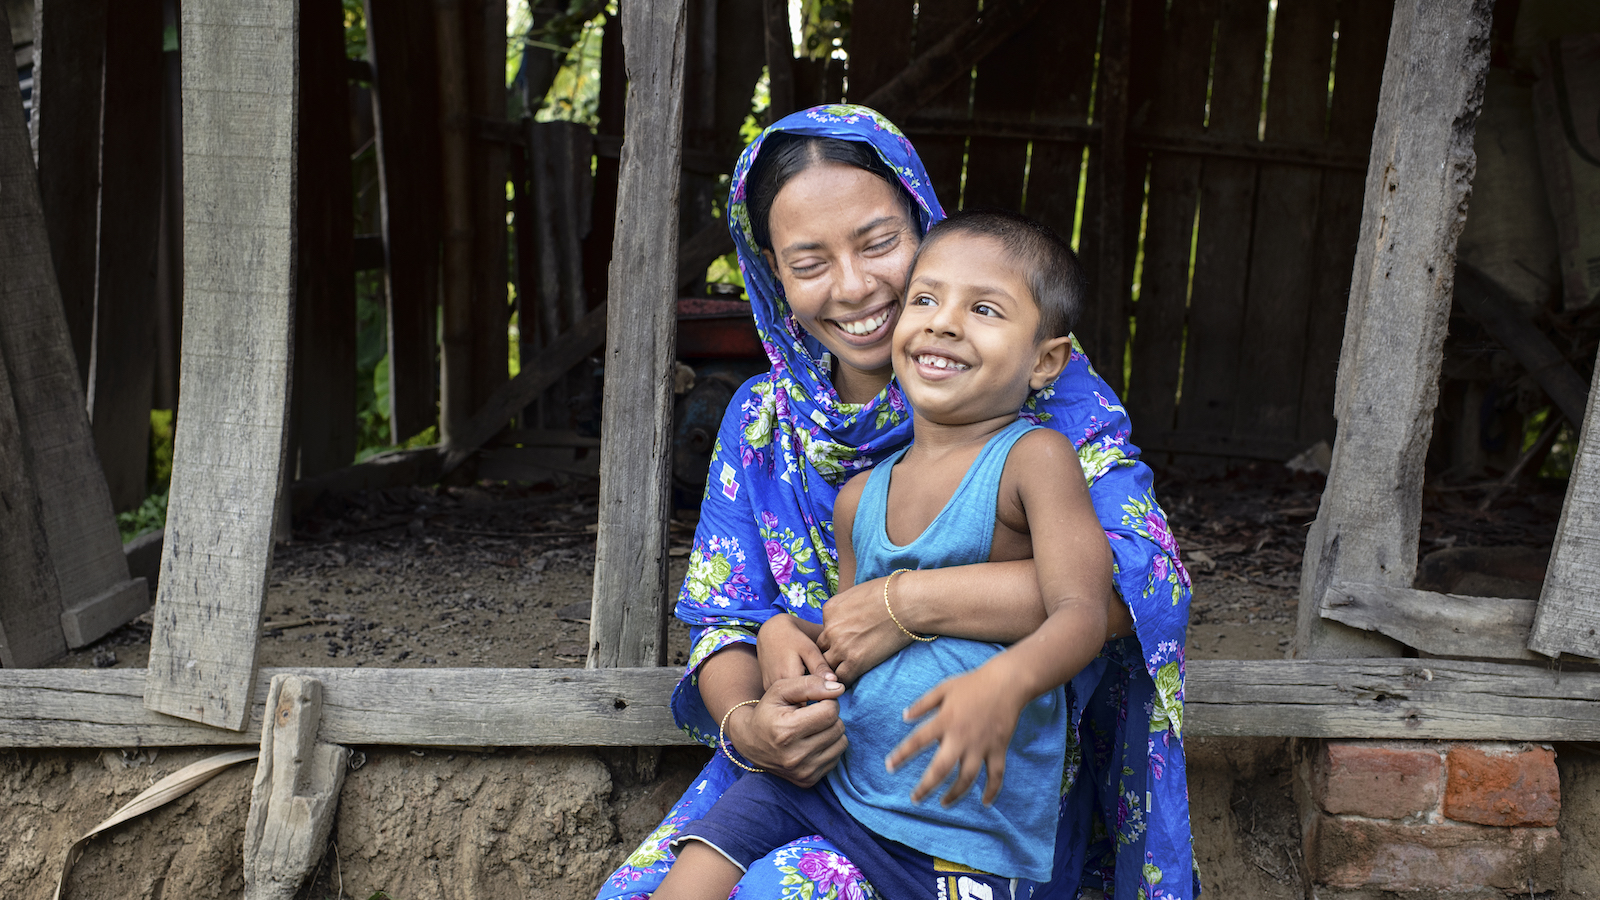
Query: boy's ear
pixel 1051 360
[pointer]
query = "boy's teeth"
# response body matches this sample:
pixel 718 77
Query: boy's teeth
pixel 866 326
pixel 939 362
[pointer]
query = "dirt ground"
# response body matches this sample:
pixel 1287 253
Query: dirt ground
pixel 499 576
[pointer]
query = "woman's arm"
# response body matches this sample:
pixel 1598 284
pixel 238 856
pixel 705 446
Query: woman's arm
pixel 793 732
pixel 994 601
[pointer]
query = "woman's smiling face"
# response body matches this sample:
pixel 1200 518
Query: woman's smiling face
pixel 841 246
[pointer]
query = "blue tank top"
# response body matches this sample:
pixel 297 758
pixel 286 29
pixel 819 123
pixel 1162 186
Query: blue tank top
pixel 1015 837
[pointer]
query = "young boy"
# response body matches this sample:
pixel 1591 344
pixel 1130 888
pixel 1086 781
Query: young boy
pixel 990 301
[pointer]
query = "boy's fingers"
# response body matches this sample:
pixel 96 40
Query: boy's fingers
pixel 938 770
pixel 925 704
pixel 996 768
pixel 911 747
pixel 966 774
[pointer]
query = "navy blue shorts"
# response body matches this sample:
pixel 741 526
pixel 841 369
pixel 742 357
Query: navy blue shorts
pixel 760 813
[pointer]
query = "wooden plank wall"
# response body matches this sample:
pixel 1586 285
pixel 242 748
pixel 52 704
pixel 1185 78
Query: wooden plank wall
pixel 1239 200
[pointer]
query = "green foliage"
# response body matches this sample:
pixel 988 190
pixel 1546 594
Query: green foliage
pixel 355 29
pixel 575 94
pixel 825 28
pixel 161 424
pixel 150 515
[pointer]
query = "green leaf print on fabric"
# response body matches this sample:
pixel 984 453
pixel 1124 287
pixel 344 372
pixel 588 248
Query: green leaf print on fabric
pixel 1168 711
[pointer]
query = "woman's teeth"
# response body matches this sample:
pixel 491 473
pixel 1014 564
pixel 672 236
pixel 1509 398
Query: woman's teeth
pixel 939 362
pixel 865 326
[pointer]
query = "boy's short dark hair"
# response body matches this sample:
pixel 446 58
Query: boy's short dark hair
pixel 1051 269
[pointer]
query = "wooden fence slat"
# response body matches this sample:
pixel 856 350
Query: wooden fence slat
pixel 1431 699
pixel 324 397
pixel 130 213
pixel 69 38
pixel 995 165
pixel 1278 300
pixel 1441 624
pixel 880 43
pixel 30 606
pixel 48 397
pixel 1107 335
pixel 240 92
pixel 1358 75
pixel 1180 106
pixel 485 31
pixel 1227 204
pixel 405 109
pixel 1417 186
pixel 1061 91
pixel 456 404
pixel 943 156
pixel 1568 620
pixel 628 620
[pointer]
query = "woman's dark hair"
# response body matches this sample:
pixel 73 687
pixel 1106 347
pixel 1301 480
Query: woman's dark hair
pixel 785 155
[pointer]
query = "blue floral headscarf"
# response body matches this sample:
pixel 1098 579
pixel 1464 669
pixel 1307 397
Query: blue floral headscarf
pixel 765 544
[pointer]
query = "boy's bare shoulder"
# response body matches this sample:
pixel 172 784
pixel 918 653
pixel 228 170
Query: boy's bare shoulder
pixel 851 492
pixel 1043 445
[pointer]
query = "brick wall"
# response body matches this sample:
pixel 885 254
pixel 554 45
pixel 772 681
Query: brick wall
pixel 1413 816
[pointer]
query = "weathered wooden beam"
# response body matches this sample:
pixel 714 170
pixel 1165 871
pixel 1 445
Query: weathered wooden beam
pixel 1422 699
pixel 1431 699
pixel 422 707
pixel 295 792
pixel 69 41
pixel 240 93
pixel 36 349
pixel 1441 624
pixel 555 361
pixel 1489 303
pixel 484 32
pixel 455 338
pixel 628 622
pixel 1417 187
pixel 1568 620
pixel 950 59
pixel 780 59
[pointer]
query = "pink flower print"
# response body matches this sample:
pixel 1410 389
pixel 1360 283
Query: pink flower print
pixel 828 870
pixel 897 400
pixel 768 519
pixel 1158 567
pixel 779 560
pixel 1156 524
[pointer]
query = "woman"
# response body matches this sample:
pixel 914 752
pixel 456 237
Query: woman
pixel 825 232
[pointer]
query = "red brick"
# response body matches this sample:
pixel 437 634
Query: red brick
pixel 1515 785
pixel 1384 782
pixel 1354 853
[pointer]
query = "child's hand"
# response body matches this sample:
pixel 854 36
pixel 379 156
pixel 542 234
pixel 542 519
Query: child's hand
pixel 786 650
pixel 977 714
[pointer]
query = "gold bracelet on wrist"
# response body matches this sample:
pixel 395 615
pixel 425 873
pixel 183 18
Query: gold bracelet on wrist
pixel 896 619
pixel 722 736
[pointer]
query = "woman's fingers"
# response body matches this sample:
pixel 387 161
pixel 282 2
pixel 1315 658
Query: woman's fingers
pixel 805 689
pixel 815 662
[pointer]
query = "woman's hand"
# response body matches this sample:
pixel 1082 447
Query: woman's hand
pixel 977 714
pixel 857 633
pixel 794 732
pixel 787 648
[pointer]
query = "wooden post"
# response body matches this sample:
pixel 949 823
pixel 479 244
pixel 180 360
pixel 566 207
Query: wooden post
pixel 324 407
pixel 628 620
pixel 123 374
pixel 81 533
pixel 780 60
pixel 1418 181
pixel 1568 617
pixel 406 113
pixel 295 792
pixel 240 95
pixel 30 607
pixel 69 39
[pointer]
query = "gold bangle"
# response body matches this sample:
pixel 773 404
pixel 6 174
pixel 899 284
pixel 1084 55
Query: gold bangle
pixel 722 736
pixel 896 619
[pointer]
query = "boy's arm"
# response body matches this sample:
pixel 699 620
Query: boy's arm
pixel 978 711
pixel 786 646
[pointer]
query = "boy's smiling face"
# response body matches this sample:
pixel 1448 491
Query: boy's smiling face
pixel 966 347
